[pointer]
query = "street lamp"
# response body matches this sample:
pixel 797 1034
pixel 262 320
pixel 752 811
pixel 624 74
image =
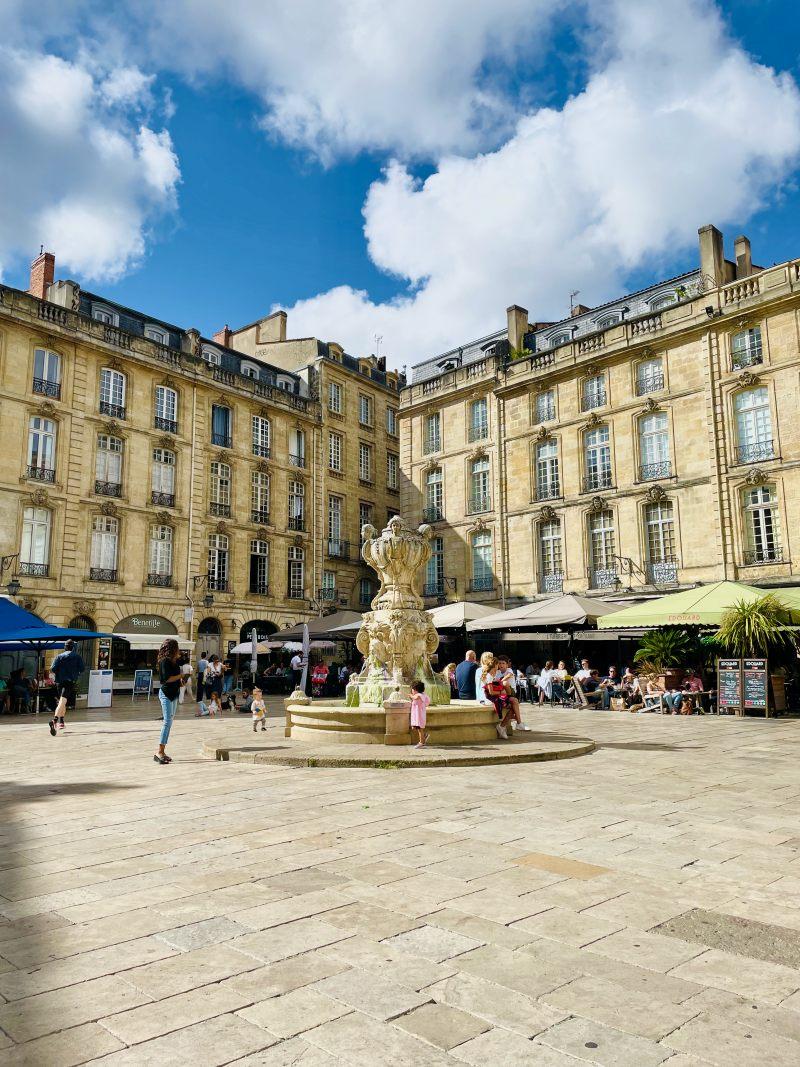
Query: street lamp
pixel 208 600
pixel 13 587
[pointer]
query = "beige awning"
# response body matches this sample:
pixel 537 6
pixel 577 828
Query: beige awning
pixel 153 642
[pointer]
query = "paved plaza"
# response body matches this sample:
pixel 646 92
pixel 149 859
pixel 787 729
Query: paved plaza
pixel 638 905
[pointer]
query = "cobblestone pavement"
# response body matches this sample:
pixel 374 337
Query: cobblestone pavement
pixel 636 906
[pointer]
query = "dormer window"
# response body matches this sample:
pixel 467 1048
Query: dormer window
pixel 560 339
pixel 155 333
pixel 211 355
pixel 249 371
pixel 286 384
pixel 665 300
pixel 607 322
pixel 103 313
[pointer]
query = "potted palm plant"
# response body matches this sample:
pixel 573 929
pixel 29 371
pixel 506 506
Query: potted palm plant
pixel 760 628
pixel 661 651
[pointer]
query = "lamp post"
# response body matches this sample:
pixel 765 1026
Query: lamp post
pixel 6 564
pixel 199 581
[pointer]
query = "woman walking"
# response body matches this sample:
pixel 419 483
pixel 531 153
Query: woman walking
pixel 169 673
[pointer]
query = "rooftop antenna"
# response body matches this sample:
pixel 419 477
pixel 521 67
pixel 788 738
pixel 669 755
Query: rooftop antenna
pixel 572 295
pixel 377 338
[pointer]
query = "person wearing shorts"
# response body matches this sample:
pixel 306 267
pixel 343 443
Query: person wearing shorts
pixel 67 668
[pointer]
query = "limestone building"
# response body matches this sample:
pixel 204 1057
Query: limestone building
pixel 159 482
pixel 644 445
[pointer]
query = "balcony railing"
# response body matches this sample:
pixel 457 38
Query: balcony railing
pixel 163 581
pixel 478 433
pixel 433 589
pixel 754 453
pixel 33 570
pixel 433 514
pixel 170 425
pixel 548 491
pixel 114 336
pixel 595 399
pixel 224 440
pixel 295 592
pixel 553 583
pixel 760 557
pixel 261 450
pixel 222 511
pixel 297 460
pixel 650 471
pixel 747 357
pixel 259 589
pixel 108 488
pixel 327 593
pixel 260 515
pixel 53 313
pixel 46 388
pixel 102 574
pixel 597 480
pixel 162 500
pixel 653 383
pixel 662 572
pixel 338 549
pixel 484 584
pixel 603 578
pixel 114 411
pixel 297 522
pixel 40 474
pixel 217 585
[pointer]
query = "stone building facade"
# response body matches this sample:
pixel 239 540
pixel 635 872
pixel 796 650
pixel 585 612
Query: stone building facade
pixel 159 482
pixel 642 446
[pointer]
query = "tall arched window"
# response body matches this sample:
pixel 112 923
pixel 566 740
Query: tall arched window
pixel 597 459
pixel 105 549
pixel 221 489
pixel 41 449
pixel 297 506
pixel 218 562
pixel 296 573
pixel 593 392
pixel 602 549
pixel 163 478
pixel 434 571
pixel 746 348
pixel 659 527
pixel 753 425
pixel 108 465
pixel 649 376
pixel 34 551
pixel 262 436
pixel 160 572
pixel 548 482
pixel 259 497
pixel 479 497
pixel 47 373
pixel 113 387
pixel 654 461
pixel 551 567
pixel 259 567
pixel 761 526
pixel 166 409
pixel 482 562
pixel 434 495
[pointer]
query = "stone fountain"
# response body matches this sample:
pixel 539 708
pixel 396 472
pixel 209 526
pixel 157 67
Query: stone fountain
pixel 397 639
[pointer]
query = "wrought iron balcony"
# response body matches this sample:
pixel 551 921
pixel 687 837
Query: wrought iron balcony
pixel 763 556
pixel 261 450
pixel 755 453
pixel 432 514
pixel 170 425
pixel 259 589
pixel 163 581
pixel 604 578
pixel 217 585
pixel 260 515
pixel 548 491
pixel 478 433
pixel 47 388
pixel 553 583
pixel 662 572
pixel 224 440
pixel 40 474
pixel 652 383
pixel 295 592
pixel 747 358
pixel 338 549
pixel 433 588
pixel 115 411
pixel 479 502
pixel 34 570
pixel 597 480
pixel 108 488
pixel 222 511
pixel 162 500
pixel 484 584
pixel 327 593
pixel 595 399
pixel 102 574
pixel 297 460
pixel 297 522
pixel 648 472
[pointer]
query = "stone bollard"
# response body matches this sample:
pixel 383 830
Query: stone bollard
pixel 297 697
pixel 398 719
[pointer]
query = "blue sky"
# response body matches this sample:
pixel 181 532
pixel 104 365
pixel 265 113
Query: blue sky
pixel 270 217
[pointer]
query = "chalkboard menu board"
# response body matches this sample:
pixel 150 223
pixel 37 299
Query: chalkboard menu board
pixel 729 683
pixel 755 681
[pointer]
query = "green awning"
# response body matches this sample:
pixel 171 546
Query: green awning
pixel 702 606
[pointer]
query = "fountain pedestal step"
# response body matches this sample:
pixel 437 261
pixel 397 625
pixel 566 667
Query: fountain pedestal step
pixel 333 722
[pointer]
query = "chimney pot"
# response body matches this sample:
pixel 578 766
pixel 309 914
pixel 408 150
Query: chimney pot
pixel 43 271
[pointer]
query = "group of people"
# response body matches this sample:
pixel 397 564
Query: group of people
pixel 625 692
pixel 492 680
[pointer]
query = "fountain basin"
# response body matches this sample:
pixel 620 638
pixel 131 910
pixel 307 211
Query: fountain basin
pixel 334 722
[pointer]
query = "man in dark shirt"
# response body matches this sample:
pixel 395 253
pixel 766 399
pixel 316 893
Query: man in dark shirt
pixel 465 676
pixel 67 668
pixel 610 686
pixel 591 689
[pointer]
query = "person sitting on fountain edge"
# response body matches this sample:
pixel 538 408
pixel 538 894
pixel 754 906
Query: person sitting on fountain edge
pixel 465 676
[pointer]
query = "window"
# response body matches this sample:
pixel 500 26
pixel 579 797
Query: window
pixel 155 333
pixel 602 550
pixel 296 575
pixel 364 410
pixel 220 494
pixel 335 441
pixel 434 496
pixel 664 301
pixel 34 552
pixel 248 370
pixel 479 499
pixel 162 482
pixel 259 496
pixel 328 590
pixel 259 567
pixel 550 557
pixel 108 465
pixel 336 546
pixel 478 420
pixel 649 376
pixel 104 314
pixel 41 449
pixel 47 373
pixel 391 422
pixel 545 406
pixel 112 393
pixel 105 545
pixel 434 571
pixel 392 468
pixel 482 567
pixel 560 339
pixel 287 385
pixel 746 348
pixel 659 529
pixel 432 437
pixel 593 392
pixel 166 414
pixel 753 425
pixel 548 483
pixel 218 563
pixel 607 322
pixel 335 398
pixel 160 572
pixel 365 592
pixel 221 426
pixel 297 502
pixel 297 448
pixel 597 459
pixel 366 514
pixel 654 461
pixel 262 436
pixel 762 543
pixel 211 355
pixel 365 462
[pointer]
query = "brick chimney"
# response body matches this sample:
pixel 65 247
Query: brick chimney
pixel 223 336
pixel 43 271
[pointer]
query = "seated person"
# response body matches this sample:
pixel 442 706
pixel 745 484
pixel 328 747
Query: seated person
pixel 591 689
pixel 584 671
pixel 691 684
pixel 20 689
pixel 610 686
pixel 247 699
pixel 631 689
pixel 509 679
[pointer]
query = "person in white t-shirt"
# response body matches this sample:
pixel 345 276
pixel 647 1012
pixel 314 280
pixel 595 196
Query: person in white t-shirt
pixel 297 669
pixel 584 672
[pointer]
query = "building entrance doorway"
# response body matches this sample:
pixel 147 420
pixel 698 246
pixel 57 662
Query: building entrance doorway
pixel 209 638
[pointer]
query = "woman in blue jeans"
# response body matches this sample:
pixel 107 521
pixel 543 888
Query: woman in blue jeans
pixel 169 673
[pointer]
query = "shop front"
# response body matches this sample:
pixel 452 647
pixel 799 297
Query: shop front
pixel 135 645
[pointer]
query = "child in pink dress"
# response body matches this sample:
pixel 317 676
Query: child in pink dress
pixel 419 711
